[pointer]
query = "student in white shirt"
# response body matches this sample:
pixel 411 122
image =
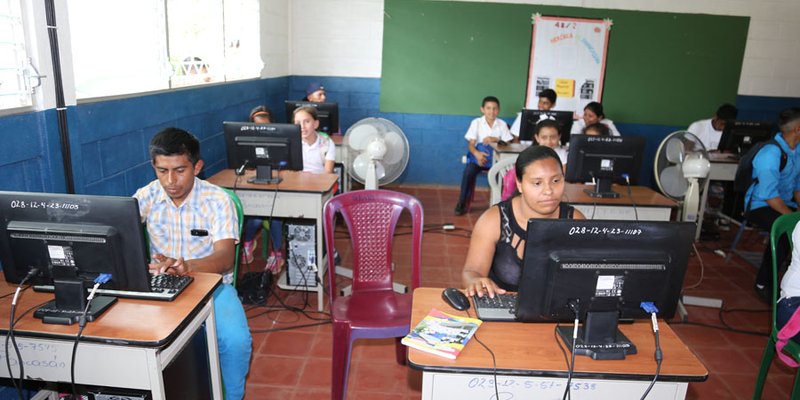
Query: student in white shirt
pixel 319 152
pixel 482 131
pixel 592 114
pixel 547 100
pixel 710 130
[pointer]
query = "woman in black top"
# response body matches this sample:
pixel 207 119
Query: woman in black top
pixel 494 260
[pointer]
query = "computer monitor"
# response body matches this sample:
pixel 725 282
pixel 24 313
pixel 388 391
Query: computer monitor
pixel 606 269
pixel 530 118
pixel 327 113
pixel 71 239
pixel 604 159
pixel 739 136
pixel 263 147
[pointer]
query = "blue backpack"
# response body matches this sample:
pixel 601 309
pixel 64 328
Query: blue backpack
pixel 744 171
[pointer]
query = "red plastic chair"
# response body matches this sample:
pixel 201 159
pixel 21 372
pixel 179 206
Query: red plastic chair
pixel 373 310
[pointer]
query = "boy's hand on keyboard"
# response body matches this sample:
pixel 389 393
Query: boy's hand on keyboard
pixel 484 286
pixel 168 265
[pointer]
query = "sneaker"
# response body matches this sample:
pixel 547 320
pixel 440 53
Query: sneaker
pixel 247 253
pixel 274 262
pixel 460 209
pixel 764 293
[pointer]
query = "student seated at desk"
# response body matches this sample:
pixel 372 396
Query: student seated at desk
pixel 546 134
pixel 315 93
pixel 592 114
pixel 547 100
pixel 193 226
pixel 494 259
pixel 596 129
pixel 482 131
pixel 262 115
pixel 710 130
pixel 319 152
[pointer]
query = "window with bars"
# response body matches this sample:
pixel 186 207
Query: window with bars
pixel 15 87
pixel 146 45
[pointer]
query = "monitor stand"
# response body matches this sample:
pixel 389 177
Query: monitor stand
pixel 602 189
pixel 70 302
pixel 264 176
pixel 599 337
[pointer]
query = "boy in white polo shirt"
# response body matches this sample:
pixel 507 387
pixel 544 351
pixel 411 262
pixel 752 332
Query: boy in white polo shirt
pixel 482 131
pixel 710 130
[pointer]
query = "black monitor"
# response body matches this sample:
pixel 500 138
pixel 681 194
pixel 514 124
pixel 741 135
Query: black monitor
pixel 327 113
pixel 530 118
pixel 739 136
pixel 604 159
pixel 71 239
pixel 264 147
pixel 605 268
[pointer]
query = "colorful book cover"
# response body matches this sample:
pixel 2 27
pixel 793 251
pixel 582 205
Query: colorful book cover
pixel 442 334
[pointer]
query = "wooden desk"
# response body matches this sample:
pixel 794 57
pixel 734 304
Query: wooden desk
pixel 530 364
pixel 510 150
pixel 299 195
pixel 130 346
pixel 650 205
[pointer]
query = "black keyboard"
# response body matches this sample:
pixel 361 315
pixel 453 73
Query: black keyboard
pixel 502 307
pixel 163 287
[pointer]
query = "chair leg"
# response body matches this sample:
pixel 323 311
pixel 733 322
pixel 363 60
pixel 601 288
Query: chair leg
pixel 340 364
pixel 796 388
pixel 766 362
pixel 736 239
pixel 400 351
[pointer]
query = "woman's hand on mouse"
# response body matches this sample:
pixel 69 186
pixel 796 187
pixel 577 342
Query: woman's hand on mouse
pixel 483 286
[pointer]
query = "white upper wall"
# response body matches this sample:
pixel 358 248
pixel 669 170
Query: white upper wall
pixel 345 37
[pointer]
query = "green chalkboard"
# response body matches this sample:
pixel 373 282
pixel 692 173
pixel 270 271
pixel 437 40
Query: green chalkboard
pixel 442 57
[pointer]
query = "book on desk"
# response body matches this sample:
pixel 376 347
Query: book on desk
pixel 442 334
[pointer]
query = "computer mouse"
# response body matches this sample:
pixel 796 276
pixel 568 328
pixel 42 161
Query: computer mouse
pixel 455 298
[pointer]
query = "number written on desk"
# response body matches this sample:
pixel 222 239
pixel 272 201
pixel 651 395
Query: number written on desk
pixel 34 355
pixel 488 383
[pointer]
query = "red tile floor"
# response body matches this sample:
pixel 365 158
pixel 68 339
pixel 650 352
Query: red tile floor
pixel 295 363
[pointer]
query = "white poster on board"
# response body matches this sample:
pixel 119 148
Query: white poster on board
pixel 568 55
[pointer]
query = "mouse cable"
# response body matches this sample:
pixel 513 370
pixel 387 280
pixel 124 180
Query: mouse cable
pixel 494 360
pixel 31 273
pixel 659 355
pixel 630 195
pixel 573 305
pixel 101 279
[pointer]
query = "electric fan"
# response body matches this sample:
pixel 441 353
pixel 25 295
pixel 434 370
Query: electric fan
pixel 681 168
pixel 379 151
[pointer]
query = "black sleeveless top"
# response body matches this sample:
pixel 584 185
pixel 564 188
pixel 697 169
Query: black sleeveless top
pixel 506 265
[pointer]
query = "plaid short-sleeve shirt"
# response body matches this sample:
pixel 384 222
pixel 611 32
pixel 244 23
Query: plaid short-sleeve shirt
pixel 189 230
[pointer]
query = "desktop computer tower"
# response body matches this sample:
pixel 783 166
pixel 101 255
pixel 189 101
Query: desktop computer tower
pixel 301 245
pixel 338 169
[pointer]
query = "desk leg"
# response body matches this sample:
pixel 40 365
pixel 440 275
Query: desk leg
pixel 213 354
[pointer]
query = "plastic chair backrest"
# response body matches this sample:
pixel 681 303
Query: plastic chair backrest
pixel 495 177
pixel 784 225
pixel 240 216
pixel 371 217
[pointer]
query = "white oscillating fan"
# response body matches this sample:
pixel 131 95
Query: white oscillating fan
pixel 379 151
pixel 681 168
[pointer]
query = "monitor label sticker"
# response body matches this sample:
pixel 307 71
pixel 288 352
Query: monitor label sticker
pixel 609 285
pixel 261 152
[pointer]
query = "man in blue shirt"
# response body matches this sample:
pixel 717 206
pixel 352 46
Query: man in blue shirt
pixel 775 191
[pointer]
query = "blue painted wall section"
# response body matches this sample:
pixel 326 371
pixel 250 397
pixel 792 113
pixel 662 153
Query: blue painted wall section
pixel 109 138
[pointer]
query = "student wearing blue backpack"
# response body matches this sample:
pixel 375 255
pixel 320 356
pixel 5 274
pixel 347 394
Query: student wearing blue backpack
pixel 775 189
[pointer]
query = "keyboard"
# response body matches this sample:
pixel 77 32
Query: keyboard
pixel 502 307
pixel 163 287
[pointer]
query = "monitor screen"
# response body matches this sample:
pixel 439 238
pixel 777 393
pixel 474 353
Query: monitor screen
pixel 530 118
pixel 71 239
pixel 604 159
pixel 604 267
pixel 739 136
pixel 263 145
pixel 327 113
